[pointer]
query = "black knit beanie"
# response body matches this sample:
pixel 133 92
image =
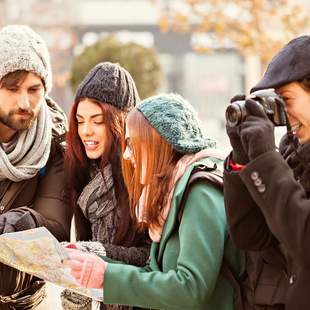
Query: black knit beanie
pixel 109 83
pixel 290 64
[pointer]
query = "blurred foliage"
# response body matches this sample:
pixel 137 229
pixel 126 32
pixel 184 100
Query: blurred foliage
pixel 142 63
pixel 253 27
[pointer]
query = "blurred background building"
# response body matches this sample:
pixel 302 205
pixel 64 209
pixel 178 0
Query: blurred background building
pixel 207 80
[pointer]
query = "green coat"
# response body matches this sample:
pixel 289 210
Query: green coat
pixel 191 254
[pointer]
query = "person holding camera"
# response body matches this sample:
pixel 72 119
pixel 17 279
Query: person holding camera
pixel 266 191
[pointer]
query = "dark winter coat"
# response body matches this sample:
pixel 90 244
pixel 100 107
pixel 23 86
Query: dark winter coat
pixel 42 197
pixel 269 213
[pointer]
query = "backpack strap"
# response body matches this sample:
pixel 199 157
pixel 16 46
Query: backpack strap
pixel 213 176
pixel 201 172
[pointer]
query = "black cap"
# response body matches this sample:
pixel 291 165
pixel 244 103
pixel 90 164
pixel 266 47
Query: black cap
pixel 291 64
pixel 109 83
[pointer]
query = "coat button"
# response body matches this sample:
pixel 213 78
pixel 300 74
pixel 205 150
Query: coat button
pixel 254 175
pixel 258 181
pixel 1 209
pixel 261 188
pixel 292 279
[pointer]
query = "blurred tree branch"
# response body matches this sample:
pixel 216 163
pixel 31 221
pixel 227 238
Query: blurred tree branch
pixel 252 27
pixel 142 63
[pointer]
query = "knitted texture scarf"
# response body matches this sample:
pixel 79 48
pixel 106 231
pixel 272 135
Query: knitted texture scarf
pixel 98 203
pixel 31 150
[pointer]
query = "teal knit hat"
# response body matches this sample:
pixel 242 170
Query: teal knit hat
pixel 176 121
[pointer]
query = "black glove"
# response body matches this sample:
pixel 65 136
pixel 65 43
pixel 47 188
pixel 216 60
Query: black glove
pixel 16 220
pixel 239 155
pixel 257 131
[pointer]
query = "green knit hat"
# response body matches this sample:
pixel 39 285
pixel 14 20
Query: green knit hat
pixel 176 121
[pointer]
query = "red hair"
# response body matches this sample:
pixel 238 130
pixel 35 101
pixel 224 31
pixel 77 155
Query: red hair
pixel 77 166
pixel 160 158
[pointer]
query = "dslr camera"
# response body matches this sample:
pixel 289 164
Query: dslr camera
pixel 270 102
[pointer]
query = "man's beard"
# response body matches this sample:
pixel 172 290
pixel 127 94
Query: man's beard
pixel 18 124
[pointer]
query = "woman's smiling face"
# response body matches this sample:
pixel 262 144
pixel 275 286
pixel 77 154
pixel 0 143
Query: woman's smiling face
pixel 93 131
pixel 297 102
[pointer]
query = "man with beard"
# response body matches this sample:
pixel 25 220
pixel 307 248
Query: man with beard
pixel 31 162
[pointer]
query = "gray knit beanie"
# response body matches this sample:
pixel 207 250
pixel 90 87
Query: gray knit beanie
pixel 23 49
pixel 176 121
pixel 109 83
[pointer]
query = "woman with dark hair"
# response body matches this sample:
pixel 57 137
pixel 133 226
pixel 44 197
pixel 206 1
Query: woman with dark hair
pixel 164 146
pixel 95 186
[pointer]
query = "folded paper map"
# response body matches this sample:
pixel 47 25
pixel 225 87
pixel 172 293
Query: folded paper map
pixel 37 252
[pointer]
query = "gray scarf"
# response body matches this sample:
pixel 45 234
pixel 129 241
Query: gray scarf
pixel 31 150
pixel 97 201
pixel 98 204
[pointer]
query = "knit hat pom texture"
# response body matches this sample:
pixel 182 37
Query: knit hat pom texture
pixel 109 83
pixel 176 121
pixel 23 49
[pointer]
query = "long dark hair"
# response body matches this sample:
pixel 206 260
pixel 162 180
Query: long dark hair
pixel 77 167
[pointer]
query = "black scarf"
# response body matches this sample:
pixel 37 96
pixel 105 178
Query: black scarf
pixel 298 158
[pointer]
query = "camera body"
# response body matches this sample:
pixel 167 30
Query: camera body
pixel 270 102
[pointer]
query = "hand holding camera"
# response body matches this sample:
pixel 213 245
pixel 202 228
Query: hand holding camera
pixel 239 155
pixel 257 131
pixel 250 124
pixel 270 103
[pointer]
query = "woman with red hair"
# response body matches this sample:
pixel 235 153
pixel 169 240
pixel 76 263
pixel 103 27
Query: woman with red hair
pixel 164 147
pixel 95 186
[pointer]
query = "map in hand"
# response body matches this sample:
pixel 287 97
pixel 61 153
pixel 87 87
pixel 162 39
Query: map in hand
pixel 37 252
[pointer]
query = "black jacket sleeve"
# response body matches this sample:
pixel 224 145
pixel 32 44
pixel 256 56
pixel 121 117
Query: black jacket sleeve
pixel 246 222
pixel 283 202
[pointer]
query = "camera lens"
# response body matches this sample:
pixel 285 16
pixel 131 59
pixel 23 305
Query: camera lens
pixel 233 115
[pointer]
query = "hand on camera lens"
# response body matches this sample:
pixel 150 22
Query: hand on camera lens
pixel 238 97
pixel 239 155
pixel 257 131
